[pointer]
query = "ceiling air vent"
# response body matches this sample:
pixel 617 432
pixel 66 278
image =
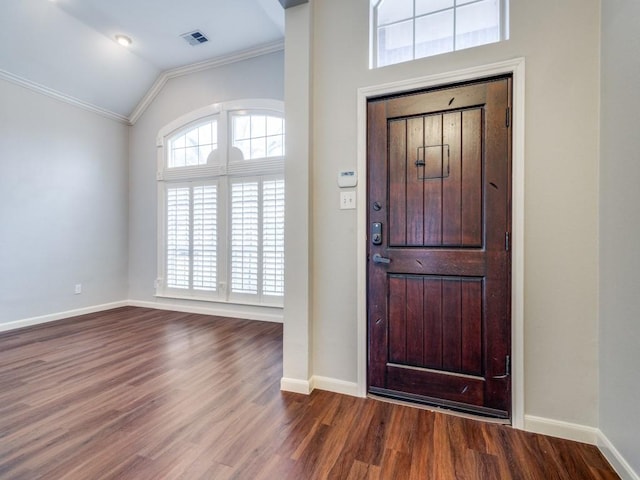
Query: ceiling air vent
pixel 195 38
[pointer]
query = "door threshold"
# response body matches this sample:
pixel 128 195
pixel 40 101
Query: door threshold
pixel 446 411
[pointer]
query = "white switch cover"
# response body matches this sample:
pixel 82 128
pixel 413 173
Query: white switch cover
pixel 347 200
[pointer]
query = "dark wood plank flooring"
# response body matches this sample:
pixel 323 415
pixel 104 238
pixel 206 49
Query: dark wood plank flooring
pixel 136 393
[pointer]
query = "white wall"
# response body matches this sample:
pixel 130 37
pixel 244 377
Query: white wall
pixel 259 77
pixel 63 206
pixel 620 229
pixel 560 42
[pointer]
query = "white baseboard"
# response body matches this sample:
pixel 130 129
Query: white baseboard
pixel 560 429
pixel 321 383
pixel 28 322
pixel 295 386
pixel 615 458
pixel 238 311
pixel 334 385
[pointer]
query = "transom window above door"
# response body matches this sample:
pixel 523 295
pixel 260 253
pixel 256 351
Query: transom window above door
pixel 403 30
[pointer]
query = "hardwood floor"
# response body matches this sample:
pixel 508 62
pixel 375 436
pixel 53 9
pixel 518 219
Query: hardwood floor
pixel 136 393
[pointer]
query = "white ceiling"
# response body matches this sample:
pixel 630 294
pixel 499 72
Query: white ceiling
pixel 155 26
pixel 68 47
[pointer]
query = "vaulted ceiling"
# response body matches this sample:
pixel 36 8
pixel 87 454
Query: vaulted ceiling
pixel 68 49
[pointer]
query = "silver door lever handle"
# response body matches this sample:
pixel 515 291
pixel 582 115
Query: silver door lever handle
pixel 377 258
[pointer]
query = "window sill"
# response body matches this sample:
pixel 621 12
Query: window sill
pixel 217 301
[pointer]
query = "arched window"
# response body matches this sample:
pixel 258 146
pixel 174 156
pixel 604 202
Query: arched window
pixel 192 146
pixel 258 135
pixel 403 30
pixel 221 202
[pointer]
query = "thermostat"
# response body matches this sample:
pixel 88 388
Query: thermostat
pixel 347 178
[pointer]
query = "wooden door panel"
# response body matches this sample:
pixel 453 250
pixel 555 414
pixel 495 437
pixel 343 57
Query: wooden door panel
pixel 433 347
pixel 451 327
pixel 434 166
pixel 436 323
pixel 414 201
pixel 397 310
pixel 471 314
pixel 397 181
pixel 471 179
pixel 439 202
pixel 414 306
pixel 439 100
pixel 439 308
pixel 435 385
pixel 440 262
pixel 451 184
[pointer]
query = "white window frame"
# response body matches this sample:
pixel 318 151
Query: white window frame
pixel 222 170
pixel 373 29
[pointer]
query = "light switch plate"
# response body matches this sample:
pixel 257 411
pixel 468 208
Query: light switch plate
pixel 347 200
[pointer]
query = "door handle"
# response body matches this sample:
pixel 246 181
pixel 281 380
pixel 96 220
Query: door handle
pixel 377 258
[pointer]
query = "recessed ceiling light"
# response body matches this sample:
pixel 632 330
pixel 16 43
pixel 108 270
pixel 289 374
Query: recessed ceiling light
pixel 123 40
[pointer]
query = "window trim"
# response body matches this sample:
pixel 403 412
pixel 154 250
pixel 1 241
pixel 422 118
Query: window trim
pixel 165 177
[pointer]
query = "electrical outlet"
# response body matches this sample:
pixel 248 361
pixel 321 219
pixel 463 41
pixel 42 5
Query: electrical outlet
pixel 78 289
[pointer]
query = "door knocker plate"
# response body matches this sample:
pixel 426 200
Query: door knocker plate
pixel 431 159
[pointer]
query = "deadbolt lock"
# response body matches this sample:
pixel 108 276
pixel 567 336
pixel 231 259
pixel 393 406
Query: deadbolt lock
pixel 376 233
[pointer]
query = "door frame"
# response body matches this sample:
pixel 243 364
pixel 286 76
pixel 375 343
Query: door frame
pixel 516 67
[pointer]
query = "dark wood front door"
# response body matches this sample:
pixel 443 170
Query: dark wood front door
pixel 439 261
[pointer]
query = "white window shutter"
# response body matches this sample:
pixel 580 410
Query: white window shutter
pixel 244 236
pixel 178 237
pixel 192 237
pixel 273 237
pixel 205 216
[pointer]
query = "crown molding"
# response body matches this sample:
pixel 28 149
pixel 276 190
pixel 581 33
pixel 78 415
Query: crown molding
pixel 198 67
pixel 49 92
pixel 155 88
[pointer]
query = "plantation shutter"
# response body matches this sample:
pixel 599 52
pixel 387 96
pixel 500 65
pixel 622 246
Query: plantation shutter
pixel 257 236
pixel 178 237
pixel 205 217
pixel 191 237
pixel 273 237
pixel 244 236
